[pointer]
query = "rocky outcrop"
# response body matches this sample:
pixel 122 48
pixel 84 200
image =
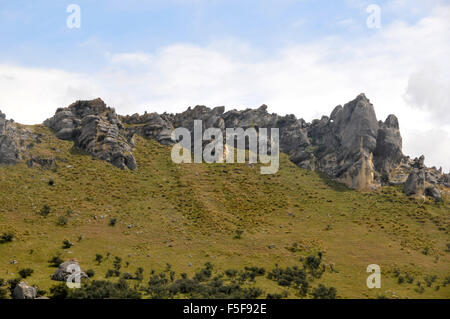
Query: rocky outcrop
pixel 23 291
pixel 14 141
pixel 350 145
pixel 150 125
pixel 422 181
pixel 388 152
pixel 97 130
pixel 66 269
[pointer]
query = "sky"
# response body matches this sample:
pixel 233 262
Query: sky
pixel 300 57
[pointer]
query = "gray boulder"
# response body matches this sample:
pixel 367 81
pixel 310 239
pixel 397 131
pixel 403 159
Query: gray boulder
pixel 433 192
pixel 23 291
pixel 66 269
pixel 415 184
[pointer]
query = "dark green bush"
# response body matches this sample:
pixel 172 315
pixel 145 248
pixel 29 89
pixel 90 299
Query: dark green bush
pixel 90 273
pixel 6 238
pixel 322 292
pixel 26 272
pixel 56 260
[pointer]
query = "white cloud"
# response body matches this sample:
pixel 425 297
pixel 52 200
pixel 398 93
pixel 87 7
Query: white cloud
pixel 403 69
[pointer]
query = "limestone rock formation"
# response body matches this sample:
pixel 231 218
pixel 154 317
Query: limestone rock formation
pixel 14 141
pixel 96 129
pixel 350 145
pixel 66 269
pixel 23 291
pixel 150 125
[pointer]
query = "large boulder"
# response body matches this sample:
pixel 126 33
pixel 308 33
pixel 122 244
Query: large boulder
pixel 66 269
pixel 23 291
pixel 433 192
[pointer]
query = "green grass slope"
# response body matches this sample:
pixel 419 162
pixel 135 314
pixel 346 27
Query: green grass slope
pixel 188 214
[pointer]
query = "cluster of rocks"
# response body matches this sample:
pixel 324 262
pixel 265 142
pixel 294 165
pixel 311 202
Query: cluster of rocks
pixel 350 145
pixel 423 181
pixel 24 291
pixel 95 129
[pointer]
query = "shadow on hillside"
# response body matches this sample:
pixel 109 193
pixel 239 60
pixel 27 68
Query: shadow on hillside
pixel 339 187
pixel 74 150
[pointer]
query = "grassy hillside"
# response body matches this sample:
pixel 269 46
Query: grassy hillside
pixel 186 215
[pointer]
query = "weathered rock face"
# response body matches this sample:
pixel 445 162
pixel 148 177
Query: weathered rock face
pixel 151 125
pixel 415 184
pixel 388 152
pixel 66 269
pixel 23 291
pixel 96 129
pixel 350 145
pixel 14 141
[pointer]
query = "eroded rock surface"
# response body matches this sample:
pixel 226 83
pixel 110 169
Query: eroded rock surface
pixel 23 291
pixel 97 130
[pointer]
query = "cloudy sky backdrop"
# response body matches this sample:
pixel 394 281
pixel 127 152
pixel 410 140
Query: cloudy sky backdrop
pixel 297 56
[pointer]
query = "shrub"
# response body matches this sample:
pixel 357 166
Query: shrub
pixel 238 234
pixel 322 292
pixel 117 263
pixel 231 273
pixel 26 272
pixel 56 260
pixel 127 276
pixel 429 280
pixel 60 291
pixel 101 289
pixel 45 210
pixel 90 273
pixel 98 258
pixel 3 293
pixel 62 221
pixel 139 274
pixel 6 238
pixel 66 244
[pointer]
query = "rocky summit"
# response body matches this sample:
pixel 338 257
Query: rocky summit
pixel 350 145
